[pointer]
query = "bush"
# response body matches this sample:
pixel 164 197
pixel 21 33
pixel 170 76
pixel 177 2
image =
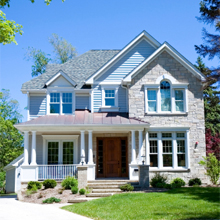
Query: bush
pixel 34 183
pixel 34 189
pixel 49 183
pixel 127 187
pixel 160 185
pixel 168 186
pixel 51 200
pixel 82 191
pixel 176 185
pixel 69 182
pixel 212 166
pixel 74 190
pixel 2 182
pixel 178 181
pixel 195 181
pixel 158 179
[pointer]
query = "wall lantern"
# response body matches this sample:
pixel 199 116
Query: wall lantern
pixel 82 159
pixel 143 159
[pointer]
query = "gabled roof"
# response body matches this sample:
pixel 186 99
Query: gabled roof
pixel 141 36
pixel 174 53
pixel 14 162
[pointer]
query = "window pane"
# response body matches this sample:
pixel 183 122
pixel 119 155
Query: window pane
pixel 153 135
pixel 178 94
pixel 67 97
pixel 67 108
pixel 68 152
pixel 181 160
pixel 165 96
pixel 153 146
pixel 151 95
pixel 167 160
pixel 55 108
pixel 153 160
pixel 179 135
pixel 109 93
pixel 180 146
pixel 53 151
pixel 167 146
pixel 166 135
pixel 152 106
pixel 109 102
pixel 179 106
pixel 54 97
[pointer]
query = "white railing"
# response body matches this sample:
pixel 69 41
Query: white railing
pixel 56 172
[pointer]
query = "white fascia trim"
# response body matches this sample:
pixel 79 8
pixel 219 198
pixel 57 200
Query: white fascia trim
pixel 109 109
pixel 60 73
pixel 107 83
pixel 83 90
pixel 57 137
pixel 25 91
pixel 143 34
pixel 175 54
pixel 168 129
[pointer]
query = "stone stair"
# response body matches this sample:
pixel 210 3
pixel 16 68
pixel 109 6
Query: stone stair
pixel 105 188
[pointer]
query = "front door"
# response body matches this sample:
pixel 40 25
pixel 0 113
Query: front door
pixel 112 157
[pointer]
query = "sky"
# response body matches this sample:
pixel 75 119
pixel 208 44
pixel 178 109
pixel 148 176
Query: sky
pixel 95 24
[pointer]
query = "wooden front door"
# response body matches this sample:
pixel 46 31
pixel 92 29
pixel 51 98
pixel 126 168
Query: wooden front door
pixel 112 157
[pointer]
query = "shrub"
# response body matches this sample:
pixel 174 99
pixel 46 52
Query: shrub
pixel 49 183
pixel 195 181
pixel 69 182
pixel 74 190
pixel 32 183
pixel 82 191
pixel 160 185
pixel 51 200
pixel 212 166
pixel 178 181
pixel 176 185
pixel 168 186
pixel 88 190
pixel 34 189
pixel 2 182
pixel 127 187
pixel 158 179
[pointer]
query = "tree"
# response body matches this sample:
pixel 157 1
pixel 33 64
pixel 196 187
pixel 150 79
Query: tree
pixel 63 50
pixel 212 143
pixel 11 140
pixel 8 30
pixel 210 14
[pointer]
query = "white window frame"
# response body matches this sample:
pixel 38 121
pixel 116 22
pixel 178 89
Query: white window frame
pixel 61 91
pixel 60 139
pixel 114 108
pixel 174 85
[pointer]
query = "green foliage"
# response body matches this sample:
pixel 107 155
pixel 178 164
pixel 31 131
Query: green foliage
pixel 60 191
pixel 11 140
pixel 74 189
pixel 88 190
pixel 127 187
pixel 49 183
pixel 158 179
pixel 2 182
pixel 51 200
pixel 69 182
pixel 34 189
pixel 195 181
pixel 8 30
pixel 178 181
pixel 40 60
pixel 212 166
pixel 168 186
pixel 82 191
pixel 34 183
pixel 160 185
pixel 28 192
pixel 176 185
pixel 63 50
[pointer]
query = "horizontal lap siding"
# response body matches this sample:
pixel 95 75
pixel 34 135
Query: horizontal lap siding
pixel 37 106
pixel 10 181
pixel 97 98
pixel 122 99
pixel 82 102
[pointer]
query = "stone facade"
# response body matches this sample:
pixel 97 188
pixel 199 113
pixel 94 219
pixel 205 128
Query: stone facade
pixel 166 64
pixel 82 176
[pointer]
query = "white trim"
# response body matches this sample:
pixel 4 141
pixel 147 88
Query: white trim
pixel 33 149
pixel 175 54
pixel 90 150
pixel 57 75
pixel 140 146
pixel 26 146
pixel 28 106
pixel 147 148
pixel 133 150
pixel 143 35
pixel 91 102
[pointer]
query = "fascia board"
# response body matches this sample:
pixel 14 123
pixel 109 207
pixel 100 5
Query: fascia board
pixel 25 91
pixel 143 35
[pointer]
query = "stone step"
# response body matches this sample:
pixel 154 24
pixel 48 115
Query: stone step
pixel 101 186
pixel 106 191
pixel 113 180
pixel 99 194
pixel 111 183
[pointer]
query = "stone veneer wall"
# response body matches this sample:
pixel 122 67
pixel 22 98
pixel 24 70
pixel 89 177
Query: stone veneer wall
pixel 165 64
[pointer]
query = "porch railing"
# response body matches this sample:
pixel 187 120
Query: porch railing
pixel 57 172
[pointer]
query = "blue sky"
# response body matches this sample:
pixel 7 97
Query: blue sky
pixel 95 24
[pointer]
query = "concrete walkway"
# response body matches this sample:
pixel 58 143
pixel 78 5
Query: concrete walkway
pixel 10 209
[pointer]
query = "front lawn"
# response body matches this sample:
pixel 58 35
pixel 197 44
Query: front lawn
pixel 183 203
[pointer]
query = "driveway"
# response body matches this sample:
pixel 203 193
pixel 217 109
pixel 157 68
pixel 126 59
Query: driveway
pixel 10 209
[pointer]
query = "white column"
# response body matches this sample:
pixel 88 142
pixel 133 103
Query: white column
pixel 160 151
pixel 187 154
pixel 147 149
pixel 133 152
pixel 82 146
pixel 26 143
pixel 28 106
pixel 90 156
pixel 174 150
pixel 33 151
pixel 140 146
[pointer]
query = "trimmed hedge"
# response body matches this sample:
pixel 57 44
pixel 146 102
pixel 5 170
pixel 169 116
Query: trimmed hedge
pixel 195 181
pixel 74 190
pixel 82 191
pixel 49 183
pixel 178 181
pixel 34 183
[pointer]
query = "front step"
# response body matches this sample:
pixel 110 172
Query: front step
pixel 99 194
pixel 106 191
pixel 101 186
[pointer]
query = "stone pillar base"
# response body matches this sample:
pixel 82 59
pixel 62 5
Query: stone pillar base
pixel 82 176
pixel 29 173
pixel 144 176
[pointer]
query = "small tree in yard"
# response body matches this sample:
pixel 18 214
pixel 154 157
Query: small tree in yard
pixel 212 166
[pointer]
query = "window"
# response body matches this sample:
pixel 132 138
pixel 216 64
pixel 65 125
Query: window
pixel 152 100
pixel 153 153
pixel 68 152
pixel 167 153
pixel 179 100
pixel 109 97
pixel 181 155
pixel 60 103
pixel 53 153
pixel 165 96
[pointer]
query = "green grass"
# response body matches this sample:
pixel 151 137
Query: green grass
pixel 183 203
pixel 9 194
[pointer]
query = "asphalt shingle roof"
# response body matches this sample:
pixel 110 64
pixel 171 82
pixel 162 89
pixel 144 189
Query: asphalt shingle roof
pixel 78 69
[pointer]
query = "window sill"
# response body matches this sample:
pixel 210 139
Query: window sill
pixel 109 109
pixel 167 113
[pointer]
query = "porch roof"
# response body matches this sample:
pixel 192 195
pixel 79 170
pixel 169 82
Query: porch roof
pixel 85 118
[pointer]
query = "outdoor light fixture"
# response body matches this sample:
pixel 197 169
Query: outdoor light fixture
pixel 143 157
pixel 82 159
pixel 196 144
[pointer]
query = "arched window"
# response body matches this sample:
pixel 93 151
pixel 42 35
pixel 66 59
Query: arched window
pixel 165 96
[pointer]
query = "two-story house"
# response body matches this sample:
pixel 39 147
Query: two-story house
pixel 111 110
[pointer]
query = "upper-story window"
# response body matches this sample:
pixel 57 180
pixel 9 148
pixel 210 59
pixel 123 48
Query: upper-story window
pixel 166 97
pixel 109 97
pixel 60 103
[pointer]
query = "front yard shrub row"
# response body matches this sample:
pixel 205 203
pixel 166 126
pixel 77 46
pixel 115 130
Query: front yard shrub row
pixel 31 184
pixel 158 179
pixel 127 187
pixel 178 181
pixel 69 182
pixel 195 181
pixel 51 200
pixel 49 183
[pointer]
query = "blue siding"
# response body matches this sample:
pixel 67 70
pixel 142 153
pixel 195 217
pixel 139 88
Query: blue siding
pixel 128 62
pixel 122 99
pixel 82 102
pixel 97 97
pixel 37 106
